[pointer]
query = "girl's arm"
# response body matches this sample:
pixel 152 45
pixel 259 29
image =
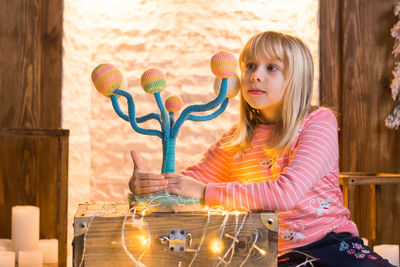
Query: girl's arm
pixel 315 155
pixel 214 165
pixel 212 168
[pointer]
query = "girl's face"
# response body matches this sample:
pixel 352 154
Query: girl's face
pixel 263 86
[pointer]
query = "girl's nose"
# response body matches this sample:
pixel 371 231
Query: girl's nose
pixel 255 78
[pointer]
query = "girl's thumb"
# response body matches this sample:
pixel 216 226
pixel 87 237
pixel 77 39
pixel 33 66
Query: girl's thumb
pixel 136 162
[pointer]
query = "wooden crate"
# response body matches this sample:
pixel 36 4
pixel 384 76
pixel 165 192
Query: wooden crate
pixel 174 237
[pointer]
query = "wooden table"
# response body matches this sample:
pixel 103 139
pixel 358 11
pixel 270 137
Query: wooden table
pixel 349 181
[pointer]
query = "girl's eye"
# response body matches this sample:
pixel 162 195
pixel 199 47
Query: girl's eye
pixel 250 66
pixel 272 68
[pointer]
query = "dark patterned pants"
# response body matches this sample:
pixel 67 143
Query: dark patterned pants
pixel 334 250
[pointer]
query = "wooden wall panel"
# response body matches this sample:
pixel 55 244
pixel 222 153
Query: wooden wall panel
pixel 330 56
pixel 51 63
pixel 367 67
pixel 33 163
pixel 356 40
pixel 40 178
pixel 30 63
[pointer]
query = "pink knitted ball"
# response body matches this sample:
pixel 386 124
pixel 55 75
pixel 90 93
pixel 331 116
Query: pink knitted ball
pixel 233 85
pixel 153 81
pixel 223 64
pixel 173 103
pixel 107 78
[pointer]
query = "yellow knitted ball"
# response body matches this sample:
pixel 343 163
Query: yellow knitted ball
pixel 233 85
pixel 107 78
pixel 173 103
pixel 153 81
pixel 223 64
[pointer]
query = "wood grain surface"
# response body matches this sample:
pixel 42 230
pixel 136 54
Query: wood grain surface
pixel 34 171
pixel 30 63
pixel 356 72
pixel 102 245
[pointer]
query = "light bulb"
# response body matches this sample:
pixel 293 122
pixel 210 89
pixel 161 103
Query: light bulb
pixel 143 240
pixel 262 252
pixel 215 246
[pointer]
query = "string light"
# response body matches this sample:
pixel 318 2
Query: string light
pixel 202 239
pixel 84 239
pixel 237 212
pixel 250 250
pixel 262 252
pixel 216 245
pixel 145 212
pixel 222 260
pixel 231 237
pixel 127 252
pixel 143 240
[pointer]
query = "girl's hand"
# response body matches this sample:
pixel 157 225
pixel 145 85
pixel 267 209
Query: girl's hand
pixel 185 186
pixel 142 183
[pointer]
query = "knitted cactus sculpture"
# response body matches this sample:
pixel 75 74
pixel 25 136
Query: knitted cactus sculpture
pixel 108 81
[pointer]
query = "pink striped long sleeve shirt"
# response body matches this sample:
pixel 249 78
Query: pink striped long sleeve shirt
pixel 302 186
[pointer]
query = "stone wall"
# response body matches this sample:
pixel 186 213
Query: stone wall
pixel 176 36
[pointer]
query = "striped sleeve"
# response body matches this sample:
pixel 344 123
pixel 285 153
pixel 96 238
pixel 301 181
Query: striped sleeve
pixel 214 165
pixel 314 156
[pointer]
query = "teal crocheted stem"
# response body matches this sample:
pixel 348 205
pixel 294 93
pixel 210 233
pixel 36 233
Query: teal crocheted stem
pixel 169 130
pixel 211 116
pixel 132 118
pixel 168 164
pixel 125 117
pixel 171 120
pixel 117 109
pixel 201 108
pixel 164 116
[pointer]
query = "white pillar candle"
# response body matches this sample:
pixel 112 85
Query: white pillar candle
pixel 365 241
pixel 7 258
pixel 49 247
pixel 30 258
pixel 6 244
pixel 25 228
pixel 389 252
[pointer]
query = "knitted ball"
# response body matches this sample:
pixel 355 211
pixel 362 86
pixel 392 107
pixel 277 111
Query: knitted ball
pixel 223 64
pixel 233 85
pixel 107 78
pixel 153 81
pixel 173 103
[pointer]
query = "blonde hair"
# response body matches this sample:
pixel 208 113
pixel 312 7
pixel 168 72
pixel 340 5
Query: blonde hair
pixel 299 74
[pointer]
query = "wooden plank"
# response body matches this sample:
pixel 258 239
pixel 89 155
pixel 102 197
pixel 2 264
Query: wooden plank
pixel 62 193
pixel 366 144
pixel 34 171
pixel 330 55
pixel 367 67
pixel 19 63
pixel 103 245
pixel 35 132
pixel 51 63
pixel 30 63
pixel 387 214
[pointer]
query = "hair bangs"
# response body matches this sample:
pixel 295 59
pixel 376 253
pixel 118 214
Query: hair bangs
pixel 268 44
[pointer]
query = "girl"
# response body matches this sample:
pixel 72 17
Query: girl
pixel 282 156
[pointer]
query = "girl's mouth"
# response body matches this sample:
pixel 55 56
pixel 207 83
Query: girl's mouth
pixel 255 92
